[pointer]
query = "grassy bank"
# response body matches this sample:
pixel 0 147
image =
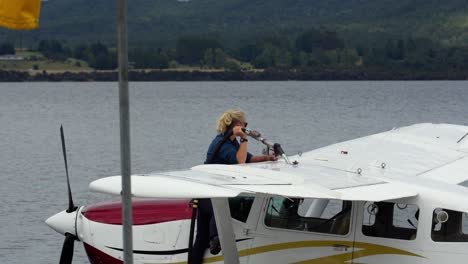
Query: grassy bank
pixel 35 61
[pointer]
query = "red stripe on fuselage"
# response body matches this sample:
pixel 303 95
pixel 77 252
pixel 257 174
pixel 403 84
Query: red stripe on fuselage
pixel 145 212
pixel 96 256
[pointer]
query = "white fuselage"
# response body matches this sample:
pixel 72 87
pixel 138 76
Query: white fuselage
pixel 260 241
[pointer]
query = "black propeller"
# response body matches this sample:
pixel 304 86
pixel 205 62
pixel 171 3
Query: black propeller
pixel 69 242
pixel 71 206
pixel 67 249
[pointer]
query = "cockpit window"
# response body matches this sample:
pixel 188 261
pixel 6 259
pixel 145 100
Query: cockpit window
pixel 311 215
pixel 240 207
pixel 449 226
pixel 390 220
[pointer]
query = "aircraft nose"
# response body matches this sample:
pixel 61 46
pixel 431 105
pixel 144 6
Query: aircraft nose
pixel 63 222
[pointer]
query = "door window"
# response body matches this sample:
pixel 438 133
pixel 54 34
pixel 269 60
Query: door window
pixel 311 215
pixel 449 226
pixel 240 207
pixel 390 220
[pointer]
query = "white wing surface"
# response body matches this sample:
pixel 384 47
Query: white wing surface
pixel 425 151
pixel 372 168
pixel 163 186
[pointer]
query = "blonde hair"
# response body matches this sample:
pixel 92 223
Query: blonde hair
pixel 227 118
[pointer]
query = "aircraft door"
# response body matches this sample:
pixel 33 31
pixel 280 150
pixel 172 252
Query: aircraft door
pixel 387 233
pixel 295 230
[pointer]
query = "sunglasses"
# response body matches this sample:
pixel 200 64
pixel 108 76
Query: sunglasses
pixel 244 123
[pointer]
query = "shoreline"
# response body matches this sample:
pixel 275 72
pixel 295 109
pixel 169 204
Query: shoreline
pixel 202 75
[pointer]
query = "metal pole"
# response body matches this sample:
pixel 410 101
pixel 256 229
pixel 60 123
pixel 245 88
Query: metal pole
pixel 124 131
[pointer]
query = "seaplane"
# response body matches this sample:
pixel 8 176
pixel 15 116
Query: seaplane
pixel 392 197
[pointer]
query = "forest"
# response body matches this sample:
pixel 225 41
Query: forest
pixel 315 49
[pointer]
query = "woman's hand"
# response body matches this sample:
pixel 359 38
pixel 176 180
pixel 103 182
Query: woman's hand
pixel 271 158
pixel 237 131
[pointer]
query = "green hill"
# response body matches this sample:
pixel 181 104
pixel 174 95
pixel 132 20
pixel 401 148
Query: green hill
pixel 161 22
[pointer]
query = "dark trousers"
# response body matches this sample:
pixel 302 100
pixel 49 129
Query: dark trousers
pixel 206 229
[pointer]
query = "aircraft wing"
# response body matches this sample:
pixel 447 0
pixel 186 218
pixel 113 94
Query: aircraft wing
pixel 372 168
pixel 215 181
pixel 424 151
pixel 163 186
pixel 455 172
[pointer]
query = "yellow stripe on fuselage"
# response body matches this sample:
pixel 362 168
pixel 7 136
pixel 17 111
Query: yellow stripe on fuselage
pixel 366 249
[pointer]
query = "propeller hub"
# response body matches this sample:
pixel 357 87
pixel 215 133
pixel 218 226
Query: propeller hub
pixel 63 222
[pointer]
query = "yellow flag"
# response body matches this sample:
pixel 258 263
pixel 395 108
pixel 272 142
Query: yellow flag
pixel 19 14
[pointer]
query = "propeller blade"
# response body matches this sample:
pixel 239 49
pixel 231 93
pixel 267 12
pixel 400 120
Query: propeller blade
pixel 71 206
pixel 67 250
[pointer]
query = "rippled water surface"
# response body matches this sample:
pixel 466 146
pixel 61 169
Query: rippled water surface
pixel 172 125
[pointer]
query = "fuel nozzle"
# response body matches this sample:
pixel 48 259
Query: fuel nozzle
pixel 275 146
pixel 280 152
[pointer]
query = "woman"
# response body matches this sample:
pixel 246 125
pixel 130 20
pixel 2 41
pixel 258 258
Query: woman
pixel 224 149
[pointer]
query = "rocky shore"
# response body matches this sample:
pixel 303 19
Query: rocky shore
pixel 266 75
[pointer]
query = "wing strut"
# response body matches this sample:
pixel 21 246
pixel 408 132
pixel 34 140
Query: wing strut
pixel 225 230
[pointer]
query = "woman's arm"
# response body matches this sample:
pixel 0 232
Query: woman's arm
pixel 241 154
pixel 263 158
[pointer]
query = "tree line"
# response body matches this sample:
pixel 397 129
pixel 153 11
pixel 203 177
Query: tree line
pixel 316 48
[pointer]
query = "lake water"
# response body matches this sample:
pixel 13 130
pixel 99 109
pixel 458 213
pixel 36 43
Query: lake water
pixel 172 125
